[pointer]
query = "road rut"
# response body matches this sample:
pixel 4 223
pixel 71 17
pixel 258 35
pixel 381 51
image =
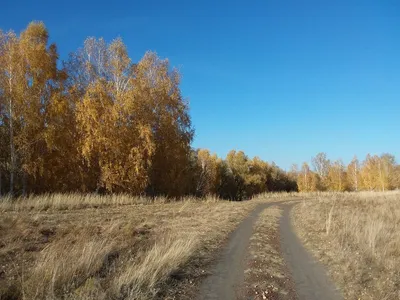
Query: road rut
pixel 309 276
pixel 227 278
pixel 228 275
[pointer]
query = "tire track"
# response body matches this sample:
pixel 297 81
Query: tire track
pixel 227 278
pixel 310 278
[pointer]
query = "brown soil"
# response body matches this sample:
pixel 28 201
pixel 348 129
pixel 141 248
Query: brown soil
pixel 268 278
pixel 228 275
pixel 311 280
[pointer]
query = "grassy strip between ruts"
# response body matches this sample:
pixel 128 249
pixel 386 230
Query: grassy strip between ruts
pixel 266 276
pixel 357 237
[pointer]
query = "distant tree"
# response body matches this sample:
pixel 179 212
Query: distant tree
pixel 378 172
pixel 10 74
pixel 39 66
pixel 256 177
pixel 169 120
pixel 116 139
pixel 28 68
pixel 353 174
pixel 303 179
pixel 396 177
pixel 228 188
pixel 237 163
pixel 293 172
pixel 336 177
pixel 387 166
pixel 321 166
pixel 209 177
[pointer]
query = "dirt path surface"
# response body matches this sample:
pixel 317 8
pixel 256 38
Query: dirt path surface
pixel 228 274
pixel 266 275
pixel 227 278
pixel 309 276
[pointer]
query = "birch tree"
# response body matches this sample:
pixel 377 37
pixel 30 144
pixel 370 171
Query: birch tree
pixel 9 58
pixel 157 85
pixel 336 178
pixel 321 166
pixel 353 174
pixel 209 177
pixel 117 138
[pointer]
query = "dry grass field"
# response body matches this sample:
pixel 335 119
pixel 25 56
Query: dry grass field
pixel 121 247
pixel 110 247
pixel 357 237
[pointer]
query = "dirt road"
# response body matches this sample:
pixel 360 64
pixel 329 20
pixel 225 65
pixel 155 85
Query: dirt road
pixel 309 277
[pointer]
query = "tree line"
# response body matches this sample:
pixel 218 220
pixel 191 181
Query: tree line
pixel 375 173
pixel 101 122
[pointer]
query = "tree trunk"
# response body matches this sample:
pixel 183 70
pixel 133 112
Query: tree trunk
pixel 381 177
pixel 12 146
pixel 23 183
pixel 356 176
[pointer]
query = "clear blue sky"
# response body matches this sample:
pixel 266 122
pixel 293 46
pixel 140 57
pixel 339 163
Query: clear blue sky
pixel 282 80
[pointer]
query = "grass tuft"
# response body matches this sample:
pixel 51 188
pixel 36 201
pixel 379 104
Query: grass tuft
pixel 357 236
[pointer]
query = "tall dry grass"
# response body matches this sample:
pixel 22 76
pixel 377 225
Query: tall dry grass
pixel 51 248
pixel 72 201
pixel 357 236
pixel 80 201
pixel 141 279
